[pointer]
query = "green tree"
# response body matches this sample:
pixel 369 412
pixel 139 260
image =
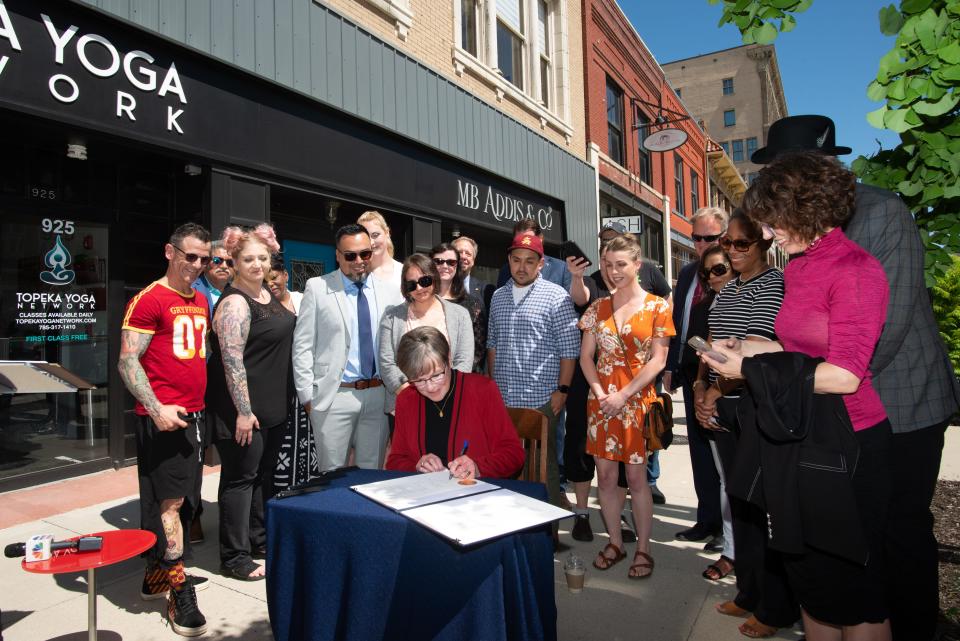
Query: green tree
pixel 919 78
pixel 945 295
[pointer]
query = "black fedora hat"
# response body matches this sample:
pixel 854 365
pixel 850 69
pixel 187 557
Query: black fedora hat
pixel 799 133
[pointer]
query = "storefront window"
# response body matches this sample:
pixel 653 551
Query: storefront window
pixel 53 292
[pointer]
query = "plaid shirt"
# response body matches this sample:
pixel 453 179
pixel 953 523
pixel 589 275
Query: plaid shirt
pixel 530 339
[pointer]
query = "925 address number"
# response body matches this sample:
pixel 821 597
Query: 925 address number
pixel 54 226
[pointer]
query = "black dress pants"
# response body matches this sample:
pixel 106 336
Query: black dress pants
pixel 246 483
pixel 762 586
pixel 913 592
pixel 706 479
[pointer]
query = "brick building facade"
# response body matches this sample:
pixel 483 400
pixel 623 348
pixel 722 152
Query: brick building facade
pixel 624 86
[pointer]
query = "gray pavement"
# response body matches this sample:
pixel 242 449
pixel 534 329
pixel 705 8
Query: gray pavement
pixel 674 604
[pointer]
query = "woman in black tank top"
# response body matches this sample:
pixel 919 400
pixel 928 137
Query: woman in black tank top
pixel 248 389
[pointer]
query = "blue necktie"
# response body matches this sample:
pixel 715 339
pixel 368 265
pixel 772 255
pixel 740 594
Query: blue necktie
pixel 368 364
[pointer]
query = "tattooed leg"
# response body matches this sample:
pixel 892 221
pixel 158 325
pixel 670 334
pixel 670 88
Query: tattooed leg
pixel 170 517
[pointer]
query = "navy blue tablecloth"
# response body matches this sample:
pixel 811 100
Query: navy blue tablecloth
pixel 340 566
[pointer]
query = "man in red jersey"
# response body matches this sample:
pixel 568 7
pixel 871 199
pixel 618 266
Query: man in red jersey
pixel 163 364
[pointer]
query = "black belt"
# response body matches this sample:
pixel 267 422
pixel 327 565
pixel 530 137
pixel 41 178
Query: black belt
pixel 191 417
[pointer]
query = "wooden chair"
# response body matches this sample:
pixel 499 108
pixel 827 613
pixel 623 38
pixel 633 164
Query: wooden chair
pixel 531 427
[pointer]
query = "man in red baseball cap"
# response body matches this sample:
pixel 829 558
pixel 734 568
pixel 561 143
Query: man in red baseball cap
pixel 533 342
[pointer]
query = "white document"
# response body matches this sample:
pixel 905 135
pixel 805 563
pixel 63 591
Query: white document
pixel 419 489
pixel 481 517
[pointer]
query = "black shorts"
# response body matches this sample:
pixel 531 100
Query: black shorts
pixel 168 461
pixel 168 466
pixel 835 590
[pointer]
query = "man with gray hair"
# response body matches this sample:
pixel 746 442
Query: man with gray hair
pixel 709 223
pixel 480 289
pixel 218 273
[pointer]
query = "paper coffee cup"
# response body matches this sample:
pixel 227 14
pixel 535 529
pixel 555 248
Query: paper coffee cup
pixel 575 578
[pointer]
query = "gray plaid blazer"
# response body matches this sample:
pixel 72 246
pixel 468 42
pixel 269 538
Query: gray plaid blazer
pixel 911 370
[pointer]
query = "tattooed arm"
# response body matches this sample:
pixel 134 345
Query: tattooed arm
pixel 232 325
pixel 132 346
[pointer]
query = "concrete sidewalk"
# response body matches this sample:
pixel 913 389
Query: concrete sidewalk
pixel 675 604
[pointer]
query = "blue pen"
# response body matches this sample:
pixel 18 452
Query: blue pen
pixel 463 451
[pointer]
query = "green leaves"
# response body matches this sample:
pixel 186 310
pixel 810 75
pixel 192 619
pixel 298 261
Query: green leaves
pixel 760 21
pixel 919 80
pixel 890 20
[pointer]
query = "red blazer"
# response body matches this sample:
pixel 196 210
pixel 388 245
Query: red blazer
pixel 479 416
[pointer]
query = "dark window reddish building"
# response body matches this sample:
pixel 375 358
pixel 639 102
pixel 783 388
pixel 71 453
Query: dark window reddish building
pixel 624 86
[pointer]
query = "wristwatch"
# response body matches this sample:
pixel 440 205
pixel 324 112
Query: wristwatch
pixel 563 389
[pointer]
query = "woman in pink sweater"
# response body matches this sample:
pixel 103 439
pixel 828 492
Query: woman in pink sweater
pixel 834 308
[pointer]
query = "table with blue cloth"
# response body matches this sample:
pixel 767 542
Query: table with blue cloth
pixel 340 566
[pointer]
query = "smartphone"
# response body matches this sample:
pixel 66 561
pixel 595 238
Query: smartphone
pixel 716 426
pixel 570 248
pixel 701 345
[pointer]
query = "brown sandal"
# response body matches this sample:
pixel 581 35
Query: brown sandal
pixel 640 566
pixel 754 629
pixel 604 562
pixel 718 570
pixel 731 609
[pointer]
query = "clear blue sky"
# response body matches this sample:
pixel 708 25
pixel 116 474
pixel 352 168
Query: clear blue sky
pixel 825 63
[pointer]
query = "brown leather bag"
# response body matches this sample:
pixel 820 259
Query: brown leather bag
pixel 658 423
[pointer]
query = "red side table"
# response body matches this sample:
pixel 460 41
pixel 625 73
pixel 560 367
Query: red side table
pixel 118 545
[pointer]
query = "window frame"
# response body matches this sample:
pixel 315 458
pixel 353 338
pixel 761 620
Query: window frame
pixel 732 122
pixel 694 190
pixel 750 148
pixel 519 42
pixel 645 164
pixel 725 86
pixel 734 146
pixel 617 128
pixel 679 189
pixel 557 112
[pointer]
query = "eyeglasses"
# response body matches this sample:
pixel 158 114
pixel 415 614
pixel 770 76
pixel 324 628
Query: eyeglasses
pixel 449 262
pixel 705 238
pixel 192 258
pixel 430 380
pixel 423 281
pixel 740 244
pixel 217 260
pixel 717 270
pixel 352 256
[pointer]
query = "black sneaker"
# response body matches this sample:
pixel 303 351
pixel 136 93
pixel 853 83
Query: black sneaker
pixel 151 589
pixel 658 497
pixel 184 615
pixel 581 528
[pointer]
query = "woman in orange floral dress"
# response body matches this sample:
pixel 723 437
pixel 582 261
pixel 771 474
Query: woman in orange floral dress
pixel 623 350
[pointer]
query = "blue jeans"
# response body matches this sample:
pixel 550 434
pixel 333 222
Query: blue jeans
pixel 653 468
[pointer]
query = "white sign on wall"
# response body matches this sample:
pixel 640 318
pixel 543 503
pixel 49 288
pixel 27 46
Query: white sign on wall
pixel 634 224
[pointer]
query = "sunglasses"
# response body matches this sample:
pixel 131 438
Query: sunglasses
pixel 216 260
pixel 717 270
pixel 352 256
pixel 705 238
pixel 192 258
pixel 449 262
pixel 432 379
pixel 740 245
pixel 423 281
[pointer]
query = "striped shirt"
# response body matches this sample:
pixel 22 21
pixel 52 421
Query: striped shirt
pixel 531 337
pixel 747 309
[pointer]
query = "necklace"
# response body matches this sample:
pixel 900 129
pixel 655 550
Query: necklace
pixel 446 398
pixel 740 282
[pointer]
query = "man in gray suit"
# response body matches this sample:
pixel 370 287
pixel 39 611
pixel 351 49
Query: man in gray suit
pixel 911 372
pixel 334 355
pixel 481 289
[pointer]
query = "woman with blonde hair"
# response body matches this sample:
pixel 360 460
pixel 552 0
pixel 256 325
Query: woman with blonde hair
pixel 247 392
pixel 623 350
pixel 382 264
